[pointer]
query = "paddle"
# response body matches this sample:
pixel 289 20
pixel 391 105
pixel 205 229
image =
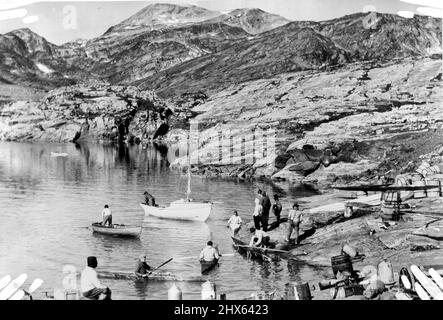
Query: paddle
pixel 150 272
pixel 194 257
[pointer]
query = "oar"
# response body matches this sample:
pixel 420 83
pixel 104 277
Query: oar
pixel 5 281
pixel 194 257
pixel 150 272
pixel 21 293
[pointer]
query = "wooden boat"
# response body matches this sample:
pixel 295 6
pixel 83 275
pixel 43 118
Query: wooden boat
pixel 180 210
pixel 430 232
pixel 117 230
pixel 155 276
pixel 207 266
pixel 253 252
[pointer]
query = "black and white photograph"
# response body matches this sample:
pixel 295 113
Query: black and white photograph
pixel 213 150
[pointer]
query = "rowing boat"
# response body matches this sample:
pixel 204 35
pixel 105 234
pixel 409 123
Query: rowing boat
pixel 253 252
pixel 430 232
pixel 180 210
pixel 207 266
pixel 117 230
pixel 156 276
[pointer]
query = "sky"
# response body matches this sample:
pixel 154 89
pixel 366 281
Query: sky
pixel 60 22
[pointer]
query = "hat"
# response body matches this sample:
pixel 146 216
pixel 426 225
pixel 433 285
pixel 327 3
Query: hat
pixel 92 262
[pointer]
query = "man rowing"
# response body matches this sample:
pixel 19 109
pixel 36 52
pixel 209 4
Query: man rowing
pixel 235 223
pixel 90 285
pixel 209 253
pixel 142 268
pixel 209 257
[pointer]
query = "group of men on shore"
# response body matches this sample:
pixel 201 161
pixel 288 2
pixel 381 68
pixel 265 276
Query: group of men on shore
pixel 262 208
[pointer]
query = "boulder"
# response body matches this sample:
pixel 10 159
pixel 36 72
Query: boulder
pixel 303 168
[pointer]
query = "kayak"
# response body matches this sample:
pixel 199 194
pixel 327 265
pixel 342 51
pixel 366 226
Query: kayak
pixel 207 266
pixel 155 276
pixel 180 210
pixel 117 230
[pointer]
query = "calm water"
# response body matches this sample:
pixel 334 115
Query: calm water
pixel 47 203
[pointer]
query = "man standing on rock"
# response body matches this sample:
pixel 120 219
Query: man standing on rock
pixel 277 208
pixel 266 203
pixel 294 219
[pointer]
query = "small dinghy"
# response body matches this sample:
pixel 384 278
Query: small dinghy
pixel 58 154
pixel 258 253
pixel 117 230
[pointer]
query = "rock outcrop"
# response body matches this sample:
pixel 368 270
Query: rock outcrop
pixel 94 112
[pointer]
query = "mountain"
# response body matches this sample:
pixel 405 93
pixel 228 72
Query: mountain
pixel 162 15
pixel 385 36
pixel 253 21
pixel 126 58
pixel 29 59
pixel 303 45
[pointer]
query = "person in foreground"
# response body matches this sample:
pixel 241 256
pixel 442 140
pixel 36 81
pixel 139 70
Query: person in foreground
pixel 90 285
pixel 142 268
pixel 259 238
pixel 209 253
pixel 107 216
pixel 235 223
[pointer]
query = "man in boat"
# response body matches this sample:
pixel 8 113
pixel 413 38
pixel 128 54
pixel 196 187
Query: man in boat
pixel 91 287
pixel 277 208
pixel 266 203
pixel 294 218
pixel 259 238
pixel 107 216
pixel 149 199
pixel 235 223
pixel 142 268
pixel 209 253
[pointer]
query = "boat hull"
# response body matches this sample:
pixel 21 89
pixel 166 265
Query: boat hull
pixel 117 230
pixel 188 211
pixel 253 252
pixel 206 266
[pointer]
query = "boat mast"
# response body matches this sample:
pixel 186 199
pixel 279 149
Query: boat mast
pixel 188 153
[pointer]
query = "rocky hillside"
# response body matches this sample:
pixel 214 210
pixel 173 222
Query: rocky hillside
pixel 93 112
pixel 301 46
pixel 122 57
pixel 28 59
pixel 363 119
